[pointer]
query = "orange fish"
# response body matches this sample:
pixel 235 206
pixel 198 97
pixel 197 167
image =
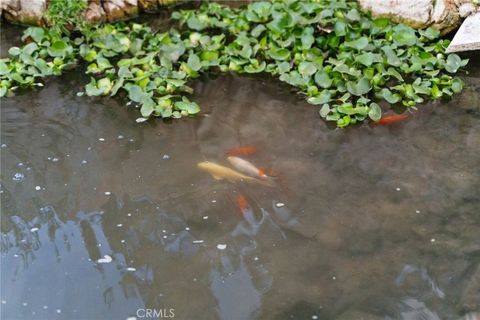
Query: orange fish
pixel 242 202
pixel 392 118
pixel 245 150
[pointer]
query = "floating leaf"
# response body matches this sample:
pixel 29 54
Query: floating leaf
pixel 323 79
pixel 375 112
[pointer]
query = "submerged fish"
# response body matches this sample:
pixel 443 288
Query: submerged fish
pixel 220 172
pixel 245 150
pixel 389 119
pixel 246 167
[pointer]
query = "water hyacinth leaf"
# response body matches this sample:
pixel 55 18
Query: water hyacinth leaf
pixel 324 110
pixel 279 54
pixel 136 94
pixel 404 35
pixel 454 62
pixel 258 30
pixel 103 63
pixel 188 106
pixel 91 88
pixel 36 33
pixel 193 62
pixel 430 33
pixel 4 68
pixel 390 96
pixel 14 51
pixel 147 107
pixel 307 38
pixel 195 24
pixel 359 88
pixel 375 112
pixel 366 59
pixel 306 68
pixel 322 98
pixel 58 49
pixel 457 85
pixel 359 44
pixel 30 48
pixel 323 79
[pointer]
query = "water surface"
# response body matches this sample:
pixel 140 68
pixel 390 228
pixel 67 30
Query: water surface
pixel 366 222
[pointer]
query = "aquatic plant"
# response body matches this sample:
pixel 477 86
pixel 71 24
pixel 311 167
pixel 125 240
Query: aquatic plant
pixel 335 55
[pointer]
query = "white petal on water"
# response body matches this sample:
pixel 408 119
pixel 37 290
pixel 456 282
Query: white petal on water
pixel 34 229
pixel 106 259
pixel 417 211
pixel 432 240
pixel 166 157
pixel 38 188
pixel 55 159
pixel 4 302
pixel 119 225
pixel 198 241
pixel 214 201
pixel 45 307
pixel 18 177
pixel 101 139
pixel 205 217
pixel 131 269
pixel 107 193
pixel 398 189
pixel 120 137
pixel 279 204
pixel 187 228
pixel 140 120
pixel 58 311
pixel 4 145
pixel 221 246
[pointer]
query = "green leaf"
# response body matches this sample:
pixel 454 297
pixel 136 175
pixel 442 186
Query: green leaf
pixel 454 62
pixel 359 88
pixel 135 93
pixel 4 68
pixel 322 98
pixel 193 62
pixel 194 23
pixel 324 110
pixel 258 30
pixel 306 68
pixel 58 49
pixel 366 59
pixel 457 85
pixel 307 38
pixel 389 96
pixel 30 48
pixel 359 44
pixel 14 51
pixel 103 63
pixel 375 112
pixel 323 79
pixel 404 35
pixel 188 106
pixel 147 107
pixel 279 54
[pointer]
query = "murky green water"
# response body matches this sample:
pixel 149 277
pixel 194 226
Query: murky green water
pixel 376 223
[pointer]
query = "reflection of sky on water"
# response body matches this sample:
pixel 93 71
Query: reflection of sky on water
pixel 72 251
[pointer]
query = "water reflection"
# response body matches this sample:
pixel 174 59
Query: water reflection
pixel 102 216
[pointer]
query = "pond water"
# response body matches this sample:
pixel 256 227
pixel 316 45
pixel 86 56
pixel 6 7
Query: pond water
pixel 104 218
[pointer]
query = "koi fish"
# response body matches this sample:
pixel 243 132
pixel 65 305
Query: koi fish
pixel 242 202
pixel 246 167
pixel 246 150
pixel 389 119
pixel 220 172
